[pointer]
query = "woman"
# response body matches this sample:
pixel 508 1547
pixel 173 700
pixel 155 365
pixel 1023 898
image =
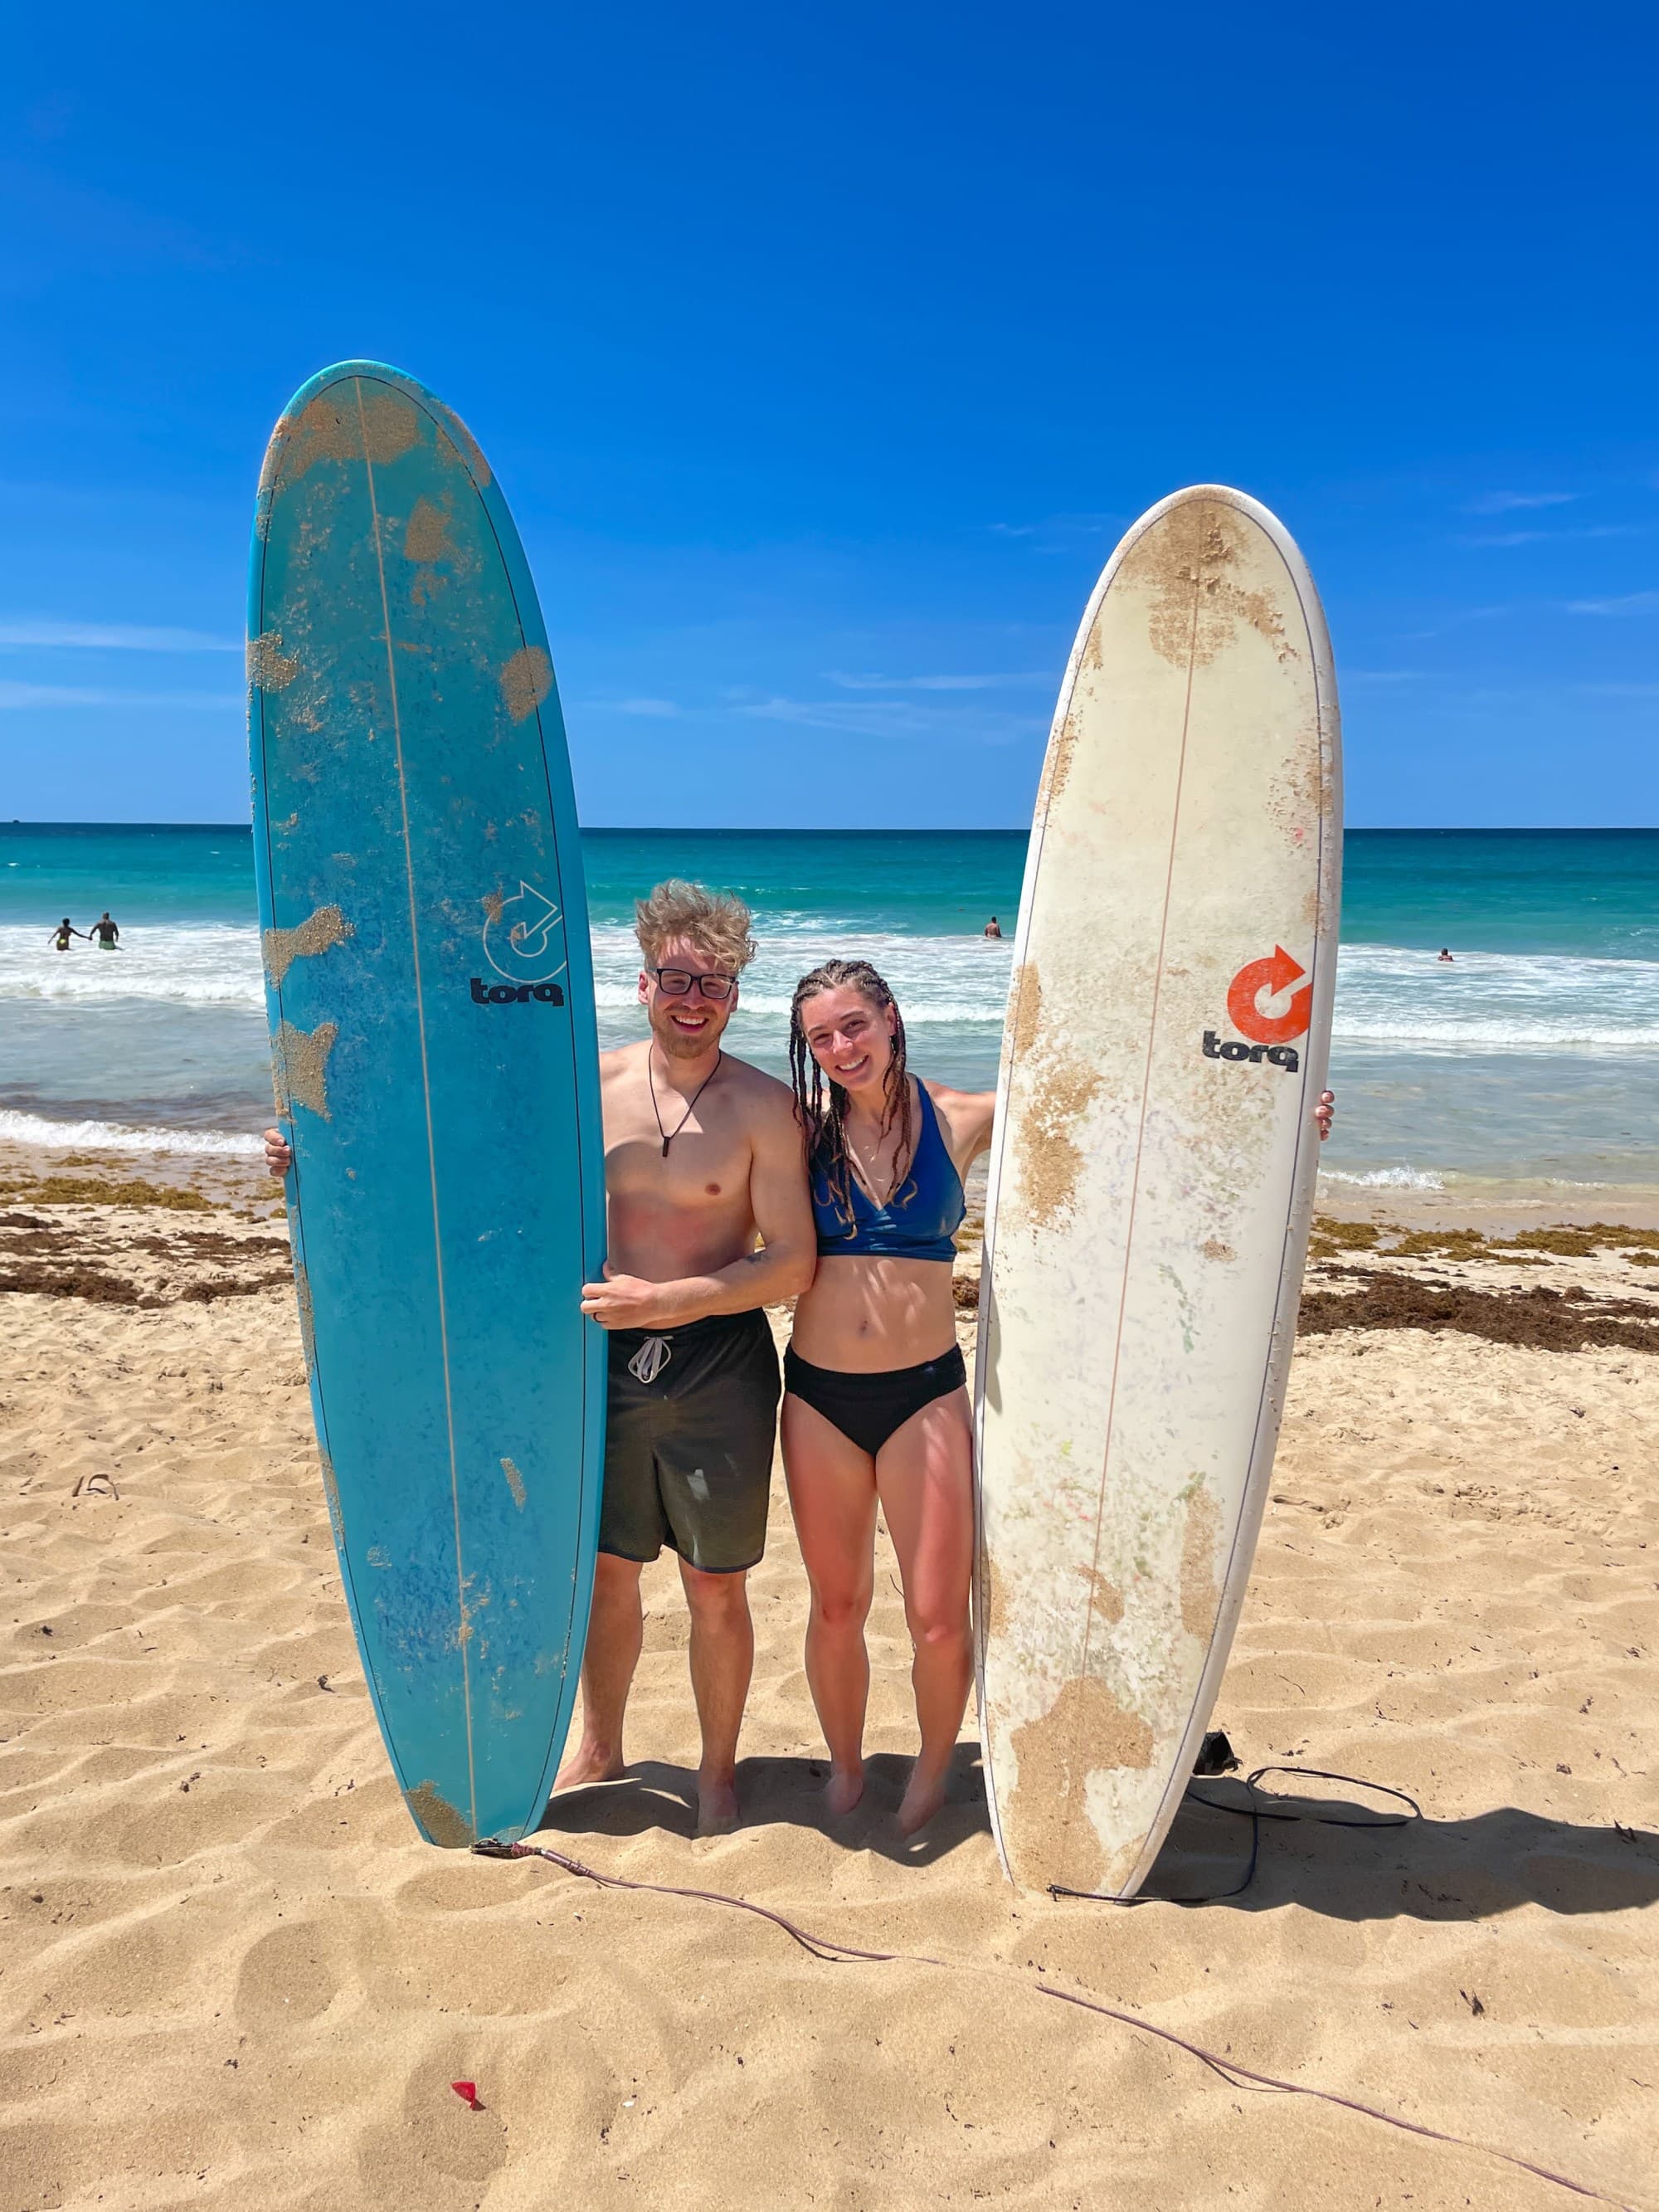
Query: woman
pixel 875 1408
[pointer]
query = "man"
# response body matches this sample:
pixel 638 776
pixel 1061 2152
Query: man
pixel 106 933
pixel 707 1222
pixel 993 929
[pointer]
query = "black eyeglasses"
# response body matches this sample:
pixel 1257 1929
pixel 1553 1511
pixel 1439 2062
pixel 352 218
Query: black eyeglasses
pixel 675 982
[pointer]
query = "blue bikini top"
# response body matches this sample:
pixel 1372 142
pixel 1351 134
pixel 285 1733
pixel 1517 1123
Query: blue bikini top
pixel 921 1219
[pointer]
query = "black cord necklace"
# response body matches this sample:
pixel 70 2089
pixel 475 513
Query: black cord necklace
pixel 669 1135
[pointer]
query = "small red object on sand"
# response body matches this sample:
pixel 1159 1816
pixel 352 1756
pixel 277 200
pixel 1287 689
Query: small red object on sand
pixel 468 2094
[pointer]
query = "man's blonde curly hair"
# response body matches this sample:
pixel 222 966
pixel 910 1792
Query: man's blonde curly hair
pixel 717 924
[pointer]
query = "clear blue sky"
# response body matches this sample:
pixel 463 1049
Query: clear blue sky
pixel 824 353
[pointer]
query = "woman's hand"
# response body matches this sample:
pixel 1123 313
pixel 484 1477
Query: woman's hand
pixel 1325 1113
pixel 279 1153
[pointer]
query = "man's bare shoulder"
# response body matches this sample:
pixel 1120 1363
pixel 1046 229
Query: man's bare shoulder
pixel 763 1098
pixel 623 1059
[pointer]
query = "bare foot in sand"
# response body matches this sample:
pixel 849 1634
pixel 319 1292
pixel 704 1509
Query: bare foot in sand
pixel 923 1796
pixel 590 1762
pixel 717 1805
pixel 843 1789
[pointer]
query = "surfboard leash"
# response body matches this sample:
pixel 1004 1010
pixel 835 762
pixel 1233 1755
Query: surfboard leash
pixel 1255 1813
pixel 830 1952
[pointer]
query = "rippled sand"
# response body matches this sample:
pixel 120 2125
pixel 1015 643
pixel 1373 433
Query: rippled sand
pixel 232 1976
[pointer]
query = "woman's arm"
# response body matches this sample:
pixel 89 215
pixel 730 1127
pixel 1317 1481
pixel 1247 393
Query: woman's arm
pixel 966 1118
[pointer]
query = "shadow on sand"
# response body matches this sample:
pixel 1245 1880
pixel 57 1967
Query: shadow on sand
pixel 783 1792
pixel 1426 1869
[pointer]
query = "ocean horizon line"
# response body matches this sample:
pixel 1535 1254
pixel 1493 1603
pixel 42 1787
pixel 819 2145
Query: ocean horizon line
pixel 927 829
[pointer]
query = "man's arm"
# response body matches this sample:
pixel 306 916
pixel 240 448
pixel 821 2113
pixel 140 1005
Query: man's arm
pixel 781 1269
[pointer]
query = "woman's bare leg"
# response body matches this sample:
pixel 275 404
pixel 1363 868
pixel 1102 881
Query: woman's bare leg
pixel 832 1492
pixel 924 1476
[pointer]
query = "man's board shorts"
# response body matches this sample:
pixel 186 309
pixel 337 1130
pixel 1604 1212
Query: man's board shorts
pixel 689 1428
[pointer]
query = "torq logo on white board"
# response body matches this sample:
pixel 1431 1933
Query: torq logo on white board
pixel 1269 1034
pixel 523 942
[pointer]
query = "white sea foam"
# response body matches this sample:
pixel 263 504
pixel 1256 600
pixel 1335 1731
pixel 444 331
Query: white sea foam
pixel 1400 1178
pixel 199 963
pixel 1388 997
pixel 117 1137
pixel 958 979
pixel 1491 1001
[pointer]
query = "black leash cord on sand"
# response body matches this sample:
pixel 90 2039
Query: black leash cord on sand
pixel 826 1949
pixel 1255 1813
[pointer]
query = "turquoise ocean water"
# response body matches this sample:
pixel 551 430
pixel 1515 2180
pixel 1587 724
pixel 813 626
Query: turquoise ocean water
pixel 1533 1060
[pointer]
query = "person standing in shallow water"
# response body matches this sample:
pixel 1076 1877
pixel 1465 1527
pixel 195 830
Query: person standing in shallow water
pixel 107 932
pixel 64 930
pixel 876 1411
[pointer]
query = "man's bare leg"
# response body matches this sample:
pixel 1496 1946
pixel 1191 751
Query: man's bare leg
pixel 722 1661
pixel 616 1631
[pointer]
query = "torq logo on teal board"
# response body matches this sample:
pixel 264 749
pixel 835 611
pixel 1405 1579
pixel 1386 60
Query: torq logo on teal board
pixel 523 943
pixel 507 994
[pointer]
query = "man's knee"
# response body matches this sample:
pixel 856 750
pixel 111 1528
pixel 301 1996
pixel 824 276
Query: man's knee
pixel 715 1598
pixel 613 1573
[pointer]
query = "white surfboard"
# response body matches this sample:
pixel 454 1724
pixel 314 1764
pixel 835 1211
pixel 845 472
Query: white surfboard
pixel 1151 1177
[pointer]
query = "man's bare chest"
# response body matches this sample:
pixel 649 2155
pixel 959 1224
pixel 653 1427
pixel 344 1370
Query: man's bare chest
pixel 673 1161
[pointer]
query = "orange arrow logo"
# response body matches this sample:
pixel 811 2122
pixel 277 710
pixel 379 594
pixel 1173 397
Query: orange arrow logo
pixel 1271 979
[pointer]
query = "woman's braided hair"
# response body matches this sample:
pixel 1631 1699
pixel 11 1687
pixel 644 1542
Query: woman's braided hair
pixel 824 1120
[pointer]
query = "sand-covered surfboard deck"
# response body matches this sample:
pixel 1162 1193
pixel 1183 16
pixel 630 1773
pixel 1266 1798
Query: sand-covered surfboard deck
pixel 1151 1177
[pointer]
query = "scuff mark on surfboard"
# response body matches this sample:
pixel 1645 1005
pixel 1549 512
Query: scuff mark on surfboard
pixel 330 1489
pixel 426 534
pixel 1105 1598
pixel 1060 1090
pixel 1087 1730
pixel 525 680
pixel 456 443
pixel 319 932
pixel 308 1327
pixel 514 1483
pixel 1182 561
pixel 334 429
pixel 1200 1592
pixel 268 666
pixel 299 1063
pixel 437 1818
pixel 1057 762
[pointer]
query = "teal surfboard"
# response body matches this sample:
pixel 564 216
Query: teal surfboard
pixel 431 1003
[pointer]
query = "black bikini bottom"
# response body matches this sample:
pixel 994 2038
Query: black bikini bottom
pixel 868 1408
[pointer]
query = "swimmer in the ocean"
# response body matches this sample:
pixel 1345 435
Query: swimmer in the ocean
pixel 1445 956
pixel 107 932
pixel 993 929
pixel 64 930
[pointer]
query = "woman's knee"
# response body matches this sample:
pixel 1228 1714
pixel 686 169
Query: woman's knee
pixel 841 1606
pixel 936 1628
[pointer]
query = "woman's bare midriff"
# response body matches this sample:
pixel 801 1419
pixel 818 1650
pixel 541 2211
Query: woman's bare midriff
pixel 867 1314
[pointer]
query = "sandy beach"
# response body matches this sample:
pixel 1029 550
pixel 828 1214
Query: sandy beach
pixel 231 1975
